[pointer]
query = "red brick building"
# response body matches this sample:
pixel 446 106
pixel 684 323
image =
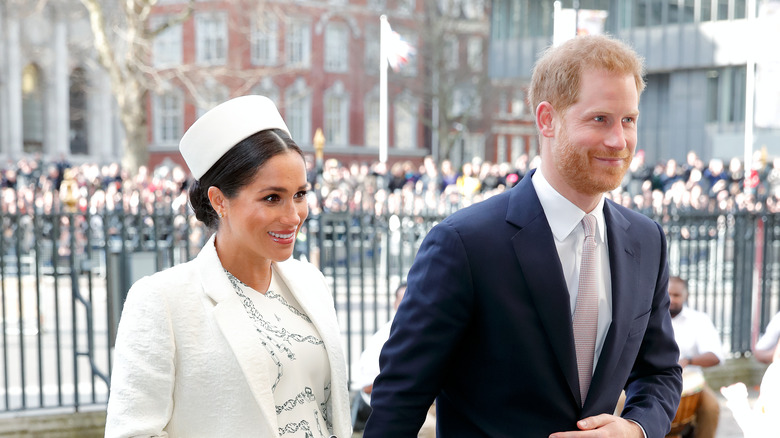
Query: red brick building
pixel 319 60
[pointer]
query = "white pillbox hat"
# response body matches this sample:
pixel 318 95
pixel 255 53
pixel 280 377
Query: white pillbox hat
pixel 224 126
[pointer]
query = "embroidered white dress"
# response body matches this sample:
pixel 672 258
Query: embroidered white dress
pixel 296 360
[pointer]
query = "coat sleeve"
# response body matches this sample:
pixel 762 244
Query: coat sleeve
pixel 655 384
pixel 427 328
pixel 141 398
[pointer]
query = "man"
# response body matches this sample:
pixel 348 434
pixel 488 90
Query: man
pixel 766 346
pixel 700 347
pixel 487 326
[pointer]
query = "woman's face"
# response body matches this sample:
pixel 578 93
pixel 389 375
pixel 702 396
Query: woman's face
pixel 263 219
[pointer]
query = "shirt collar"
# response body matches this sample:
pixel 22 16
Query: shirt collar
pixel 683 315
pixel 562 215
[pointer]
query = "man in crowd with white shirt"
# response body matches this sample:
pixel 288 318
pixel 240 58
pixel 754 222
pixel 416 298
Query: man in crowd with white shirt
pixel 765 348
pixel 700 347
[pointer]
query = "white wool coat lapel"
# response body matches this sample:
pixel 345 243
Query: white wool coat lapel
pixel 238 330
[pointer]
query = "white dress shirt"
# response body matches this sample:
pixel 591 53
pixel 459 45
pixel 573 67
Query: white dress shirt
pixel 695 334
pixel 564 219
pixel 771 336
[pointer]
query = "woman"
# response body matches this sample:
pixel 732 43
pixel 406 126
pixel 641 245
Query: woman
pixel 242 340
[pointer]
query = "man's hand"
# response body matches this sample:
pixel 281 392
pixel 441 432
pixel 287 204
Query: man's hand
pixel 603 425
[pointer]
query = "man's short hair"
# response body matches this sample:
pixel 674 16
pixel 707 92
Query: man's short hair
pixel 556 76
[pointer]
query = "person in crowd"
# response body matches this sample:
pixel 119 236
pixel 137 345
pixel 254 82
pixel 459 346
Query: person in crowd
pixel 242 340
pixel 504 323
pixel 368 368
pixel 468 183
pixel 448 175
pixel 715 176
pixel 766 346
pixel 700 347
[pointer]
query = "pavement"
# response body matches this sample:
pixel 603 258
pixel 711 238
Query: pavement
pixel 727 426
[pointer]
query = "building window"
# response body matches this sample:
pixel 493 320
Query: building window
pixel 267 88
pixel 298 112
pixel 336 107
pixel 474 54
pixel 298 45
pixel 689 11
pixel 371 52
pixel 501 149
pixel 515 19
pixel 212 94
pixel 740 9
pixel 405 112
pixel 451 51
pixel 518 104
pixel 336 47
pixel 516 148
pixel 449 8
pixel 265 44
pixel 32 109
pixel 705 10
pixel 168 110
pixel 474 9
pixel 723 9
pixel 377 5
pixel 371 118
pixel 78 112
pixel 726 95
pixel 503 105
pixel 167 44
pixel 211 39
pixel 466 101
pixel 405 6
pixel 410 68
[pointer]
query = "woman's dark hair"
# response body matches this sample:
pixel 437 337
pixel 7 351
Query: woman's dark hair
pixel 236 169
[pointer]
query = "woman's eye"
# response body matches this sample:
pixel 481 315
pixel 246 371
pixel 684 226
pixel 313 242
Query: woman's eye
pixel 271 198
pixel 301 194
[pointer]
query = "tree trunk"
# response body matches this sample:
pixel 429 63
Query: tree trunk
pixel 133 117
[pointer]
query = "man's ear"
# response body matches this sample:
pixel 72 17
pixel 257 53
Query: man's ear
pixel 545 116
pixel 217 199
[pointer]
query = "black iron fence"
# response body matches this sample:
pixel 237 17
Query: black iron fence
pixel 64 278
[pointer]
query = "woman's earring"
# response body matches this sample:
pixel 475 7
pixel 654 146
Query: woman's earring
pixel 221 215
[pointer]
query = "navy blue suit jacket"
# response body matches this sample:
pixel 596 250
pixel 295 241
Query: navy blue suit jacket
pixel 485 329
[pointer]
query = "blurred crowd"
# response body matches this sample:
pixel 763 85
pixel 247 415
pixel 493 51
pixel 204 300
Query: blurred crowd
pixel 31 185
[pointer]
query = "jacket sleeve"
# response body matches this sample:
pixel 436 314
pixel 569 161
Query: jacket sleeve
pixel 141 398
pixel 427 328
pixel 655 383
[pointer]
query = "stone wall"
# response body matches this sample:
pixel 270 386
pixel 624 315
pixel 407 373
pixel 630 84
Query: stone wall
pixel 71 425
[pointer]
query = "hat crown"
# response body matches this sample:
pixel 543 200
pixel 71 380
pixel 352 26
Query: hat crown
pixel 224 126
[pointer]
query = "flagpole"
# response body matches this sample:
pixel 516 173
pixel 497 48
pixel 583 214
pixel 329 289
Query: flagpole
pixel 384 34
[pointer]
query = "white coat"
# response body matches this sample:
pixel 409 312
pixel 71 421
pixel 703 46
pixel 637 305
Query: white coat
pixel 187 363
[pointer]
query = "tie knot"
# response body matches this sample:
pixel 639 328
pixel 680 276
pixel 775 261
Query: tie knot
pixel 589 224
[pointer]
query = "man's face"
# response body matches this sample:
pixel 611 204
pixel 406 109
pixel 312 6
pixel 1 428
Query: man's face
pixel 595 138
pixel 677 297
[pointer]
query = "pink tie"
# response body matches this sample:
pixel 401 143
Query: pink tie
pixel 586 309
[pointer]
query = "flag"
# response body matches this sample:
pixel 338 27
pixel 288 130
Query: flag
pixel 398 50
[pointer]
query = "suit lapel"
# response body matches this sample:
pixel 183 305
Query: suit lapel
pixel 237 329
pixel 535 250
pixel 624 252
